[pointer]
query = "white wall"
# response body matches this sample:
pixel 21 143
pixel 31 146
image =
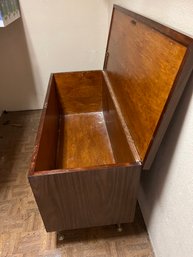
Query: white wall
pixel 166 193
pixel 54 36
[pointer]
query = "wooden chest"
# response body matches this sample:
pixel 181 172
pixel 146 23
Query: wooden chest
pixel 99 129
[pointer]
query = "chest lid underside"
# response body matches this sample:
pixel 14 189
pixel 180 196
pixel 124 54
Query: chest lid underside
pixel 147 66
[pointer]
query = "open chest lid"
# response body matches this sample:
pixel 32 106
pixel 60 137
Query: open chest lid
pixel 147 66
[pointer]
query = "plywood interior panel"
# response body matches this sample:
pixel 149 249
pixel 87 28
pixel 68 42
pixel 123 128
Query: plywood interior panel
pixel 142 67
pixel 84 141
pixel 121 146
pixel 79 92
pixel 47 139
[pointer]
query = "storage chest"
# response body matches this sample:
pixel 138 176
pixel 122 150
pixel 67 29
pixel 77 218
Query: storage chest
pixel 99 129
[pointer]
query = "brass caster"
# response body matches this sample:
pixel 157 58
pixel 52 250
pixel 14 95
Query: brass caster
pixel 60 237
pixel 119 228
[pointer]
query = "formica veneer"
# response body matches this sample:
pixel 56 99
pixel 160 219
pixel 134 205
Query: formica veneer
pixel 100 129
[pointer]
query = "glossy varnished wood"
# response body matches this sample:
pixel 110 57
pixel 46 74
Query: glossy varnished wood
pixel 118 138
pixel 142 65
pixel 163 29
pixel 45 150
pixel 84 141
pixel 79 92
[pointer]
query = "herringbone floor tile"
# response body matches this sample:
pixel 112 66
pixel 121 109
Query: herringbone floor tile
pixel 22 232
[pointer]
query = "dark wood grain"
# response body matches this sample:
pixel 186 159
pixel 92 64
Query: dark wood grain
pixel 119 141
pixel 45 150
pixel 84 141
pixel 79 92
pixel 85 199
pixel 163 29
pixel 142 67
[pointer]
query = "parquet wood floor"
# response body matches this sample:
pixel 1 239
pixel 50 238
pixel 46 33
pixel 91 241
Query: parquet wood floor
pixel 22 233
